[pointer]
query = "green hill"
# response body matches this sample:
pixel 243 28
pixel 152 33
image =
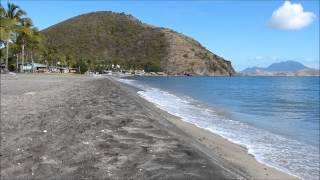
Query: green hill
pixel 102 38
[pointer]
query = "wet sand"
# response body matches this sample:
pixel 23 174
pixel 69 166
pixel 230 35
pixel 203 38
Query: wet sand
pixel 80 127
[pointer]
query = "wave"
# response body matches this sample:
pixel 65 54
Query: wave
pixel 288 155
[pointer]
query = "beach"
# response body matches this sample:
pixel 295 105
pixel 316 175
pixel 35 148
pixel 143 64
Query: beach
pixel 85 127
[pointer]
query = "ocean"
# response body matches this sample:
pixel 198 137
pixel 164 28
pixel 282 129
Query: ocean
pixel 276 118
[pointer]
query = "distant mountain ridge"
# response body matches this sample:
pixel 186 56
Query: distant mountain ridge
pixel 284 68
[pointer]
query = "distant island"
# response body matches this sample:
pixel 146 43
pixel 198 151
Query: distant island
pixel 284 68
pixel 99 39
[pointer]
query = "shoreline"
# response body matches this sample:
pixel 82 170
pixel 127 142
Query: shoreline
pixel 74 126
pixel 227 150
pixel 215 142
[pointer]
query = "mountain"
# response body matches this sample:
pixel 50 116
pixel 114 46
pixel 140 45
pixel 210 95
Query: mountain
pixel 252 69
pixel 285 68
pixel 104 38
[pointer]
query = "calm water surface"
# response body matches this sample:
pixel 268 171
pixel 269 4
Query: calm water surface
pixel 277 118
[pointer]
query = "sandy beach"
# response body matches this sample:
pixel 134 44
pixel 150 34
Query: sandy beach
pixel 84 127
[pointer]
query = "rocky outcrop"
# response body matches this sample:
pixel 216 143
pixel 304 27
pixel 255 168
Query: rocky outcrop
pixel 186 55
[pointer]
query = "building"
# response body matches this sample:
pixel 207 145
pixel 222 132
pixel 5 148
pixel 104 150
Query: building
pixel 35 67
pixel 73 70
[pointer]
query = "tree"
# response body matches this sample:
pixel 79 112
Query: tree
pixel 83 65
pixel 23 36
pixel 15 51
pixel 34 43
pixel 71 62
pixel 6 27
pixel 10 18
pixel 152 66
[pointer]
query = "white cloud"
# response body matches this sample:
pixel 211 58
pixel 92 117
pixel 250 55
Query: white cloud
pixel 291 16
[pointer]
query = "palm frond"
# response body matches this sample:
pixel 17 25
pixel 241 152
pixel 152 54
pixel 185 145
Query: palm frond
pixel 14 11
pixel 4 35
pixel 26 22
pixel 25 30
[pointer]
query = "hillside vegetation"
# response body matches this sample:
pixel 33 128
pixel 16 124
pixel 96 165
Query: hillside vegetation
pixel 103 38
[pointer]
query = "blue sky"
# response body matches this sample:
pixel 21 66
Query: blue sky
pixel 238 31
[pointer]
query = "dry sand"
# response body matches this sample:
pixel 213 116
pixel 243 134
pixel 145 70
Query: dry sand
pixel 80 127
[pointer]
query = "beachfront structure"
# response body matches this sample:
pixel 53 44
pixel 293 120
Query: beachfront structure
pixel 60 68
pixel 73 70
pixel 115 66
pixel 35 67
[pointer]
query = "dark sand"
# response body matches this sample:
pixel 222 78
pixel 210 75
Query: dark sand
pixel 78 127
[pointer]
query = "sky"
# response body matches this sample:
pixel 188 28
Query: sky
pixel 248 33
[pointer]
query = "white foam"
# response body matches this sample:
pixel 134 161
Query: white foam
pixel 285 154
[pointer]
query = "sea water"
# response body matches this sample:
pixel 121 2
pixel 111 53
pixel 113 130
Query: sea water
pixel 276 118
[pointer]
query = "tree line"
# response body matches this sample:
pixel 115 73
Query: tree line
pixel 130 45
pixel 18 34
pixel 21 42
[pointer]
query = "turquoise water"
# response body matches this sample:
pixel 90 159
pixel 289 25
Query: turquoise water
pixel 276 118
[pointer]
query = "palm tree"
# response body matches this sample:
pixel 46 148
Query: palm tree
pixel 10 18
pixel 25 23
pixel 5 26
pixel 15 51
pixel 34 43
